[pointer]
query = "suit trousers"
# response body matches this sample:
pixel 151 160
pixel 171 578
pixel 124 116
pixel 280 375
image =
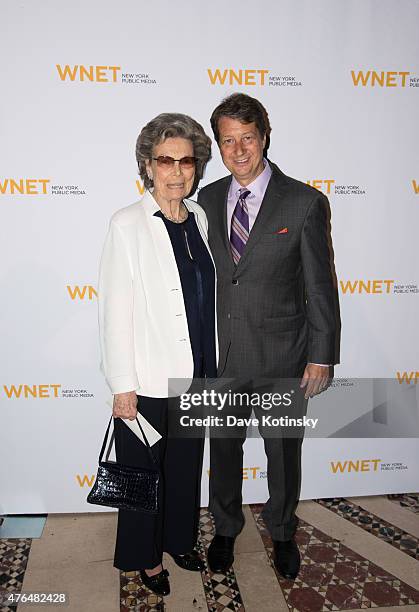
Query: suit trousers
pixel 142 538
pixel 283 452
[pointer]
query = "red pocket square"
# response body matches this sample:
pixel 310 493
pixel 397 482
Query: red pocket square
pixel 284 230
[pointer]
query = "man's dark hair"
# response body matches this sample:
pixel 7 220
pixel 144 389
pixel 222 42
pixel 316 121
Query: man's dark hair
pixel 245 109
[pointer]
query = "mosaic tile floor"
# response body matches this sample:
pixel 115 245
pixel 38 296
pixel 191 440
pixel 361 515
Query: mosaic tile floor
pixel 14 555
pixel 334 577
pixel 136 597
pixel 221 591
pixel 367 521
pixel 406 500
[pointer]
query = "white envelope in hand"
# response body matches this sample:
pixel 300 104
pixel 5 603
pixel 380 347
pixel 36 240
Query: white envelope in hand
pixel 152 434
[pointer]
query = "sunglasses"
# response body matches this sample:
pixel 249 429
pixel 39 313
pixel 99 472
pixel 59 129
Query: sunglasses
pixel 165 161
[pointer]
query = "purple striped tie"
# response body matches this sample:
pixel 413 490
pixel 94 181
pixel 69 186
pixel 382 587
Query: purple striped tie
pixel 239 232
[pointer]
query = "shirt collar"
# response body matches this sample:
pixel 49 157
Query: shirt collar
pixel 257 187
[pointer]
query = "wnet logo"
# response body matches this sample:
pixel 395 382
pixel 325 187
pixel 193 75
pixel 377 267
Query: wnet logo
pixel 140 186
pixel 31 391
pixel 408 377
pixel 244 76
pixel 374 286
pixel 360 465
pixel 93 74
pixel 330 187
pixel 372 78
pixel 85 292
pixel 249 473
pixel 85 480
pixel 324 185
pixel 24 186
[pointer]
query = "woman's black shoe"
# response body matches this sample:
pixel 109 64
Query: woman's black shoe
pixel 159 583
pixel 191 561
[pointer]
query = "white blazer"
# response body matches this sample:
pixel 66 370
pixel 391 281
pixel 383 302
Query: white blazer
pixel 142 319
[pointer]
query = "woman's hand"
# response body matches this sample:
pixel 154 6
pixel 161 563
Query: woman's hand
pixel 125 405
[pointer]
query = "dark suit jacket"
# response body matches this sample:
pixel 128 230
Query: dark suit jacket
pixel 278 308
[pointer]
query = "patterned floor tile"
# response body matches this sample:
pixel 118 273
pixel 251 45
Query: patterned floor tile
pixel 406 500
pixel 135 597
pixel 403 541
pixel 14 555
pixel 221 591
pixel 334 577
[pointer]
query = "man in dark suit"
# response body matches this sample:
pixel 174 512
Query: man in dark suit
pixel 277 313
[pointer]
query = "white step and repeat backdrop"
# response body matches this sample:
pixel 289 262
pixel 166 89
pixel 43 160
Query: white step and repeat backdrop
pixel 79 80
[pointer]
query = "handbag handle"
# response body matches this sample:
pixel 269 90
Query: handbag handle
pixel 102 450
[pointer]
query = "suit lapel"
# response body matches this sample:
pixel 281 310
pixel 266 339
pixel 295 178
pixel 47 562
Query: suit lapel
pixel 161 241
pixel 268 207
pixel 200 228
pixel 221 214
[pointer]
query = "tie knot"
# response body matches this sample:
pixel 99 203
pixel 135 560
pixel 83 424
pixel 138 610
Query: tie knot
pixel 243 193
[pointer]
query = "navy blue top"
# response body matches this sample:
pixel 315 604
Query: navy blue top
pixel 197 277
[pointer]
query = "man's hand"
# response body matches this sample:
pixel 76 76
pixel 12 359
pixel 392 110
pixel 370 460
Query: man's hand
pixel 315 379
pixel 125 405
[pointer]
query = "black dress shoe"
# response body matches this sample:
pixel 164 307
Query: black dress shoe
pixel 159 583
pixel 220 554
pixel 190 561
pixel 287 558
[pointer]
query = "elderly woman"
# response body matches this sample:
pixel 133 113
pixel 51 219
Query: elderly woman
pixel 157 322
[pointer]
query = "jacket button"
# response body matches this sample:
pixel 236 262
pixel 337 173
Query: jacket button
pixel 235 281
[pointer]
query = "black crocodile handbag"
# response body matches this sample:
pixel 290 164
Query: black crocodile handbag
pixel 124 486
